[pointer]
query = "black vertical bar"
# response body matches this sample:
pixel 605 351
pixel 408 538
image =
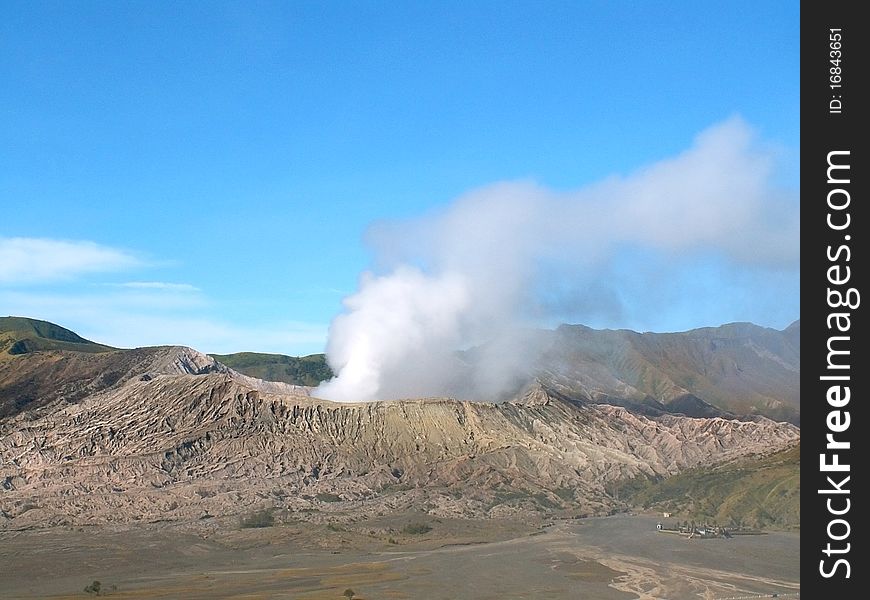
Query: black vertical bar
pixel 833 225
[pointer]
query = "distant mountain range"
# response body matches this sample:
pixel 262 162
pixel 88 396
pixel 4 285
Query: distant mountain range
pixel 739 368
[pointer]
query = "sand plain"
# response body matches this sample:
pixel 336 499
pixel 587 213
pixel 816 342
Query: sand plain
pixel 610 558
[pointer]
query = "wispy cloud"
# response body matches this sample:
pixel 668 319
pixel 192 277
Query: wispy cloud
pixel 130 313
pixel 205 333
pixel 42 260
pixel 161 286
pixel 150 316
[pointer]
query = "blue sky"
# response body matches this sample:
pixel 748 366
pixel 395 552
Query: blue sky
pixel 205 173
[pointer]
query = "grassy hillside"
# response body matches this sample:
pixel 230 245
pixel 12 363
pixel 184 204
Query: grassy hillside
pixel 20 335
pixel 303 370
pixel 759 492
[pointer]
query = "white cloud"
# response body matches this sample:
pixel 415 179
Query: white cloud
pixel 41 260
pixel 158 286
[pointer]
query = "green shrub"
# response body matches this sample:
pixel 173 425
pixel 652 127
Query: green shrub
pixel 566 494
pixel 416 528
pixel 93 588
pixel 262 518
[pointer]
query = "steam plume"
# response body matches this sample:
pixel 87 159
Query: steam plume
pixel 516 254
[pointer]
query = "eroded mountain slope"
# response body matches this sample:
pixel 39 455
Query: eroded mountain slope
pixel 181 436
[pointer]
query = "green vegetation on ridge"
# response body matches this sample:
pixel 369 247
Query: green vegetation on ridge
pixel 303 370
pixel 756 492
pixel 20 335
